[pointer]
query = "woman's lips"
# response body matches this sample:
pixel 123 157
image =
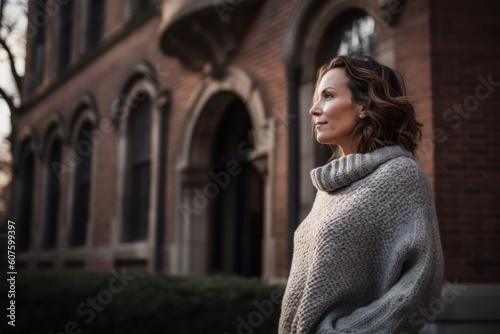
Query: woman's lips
pixel 319 124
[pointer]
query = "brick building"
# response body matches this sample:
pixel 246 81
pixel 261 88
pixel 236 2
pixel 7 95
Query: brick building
pixel 175 136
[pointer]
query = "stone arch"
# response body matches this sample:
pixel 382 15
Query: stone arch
pixel 142 71
pixel 242 85
pixel 308 25
pixel 85 109
pixel 27 136
pixel 192 167
pixel 55 126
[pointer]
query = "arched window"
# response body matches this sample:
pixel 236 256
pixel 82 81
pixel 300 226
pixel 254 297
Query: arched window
pixel 52 191
pixel 138 118
pixel 24 202
pixel 353 31
pixel 356 35
pixel 138 174
pixel 80 214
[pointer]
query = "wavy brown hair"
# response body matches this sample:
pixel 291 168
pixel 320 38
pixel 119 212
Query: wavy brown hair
pixel 390 116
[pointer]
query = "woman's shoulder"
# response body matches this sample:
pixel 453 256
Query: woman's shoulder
pixel 401 171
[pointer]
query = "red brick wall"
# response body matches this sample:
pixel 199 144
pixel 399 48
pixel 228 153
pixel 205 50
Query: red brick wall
pixel 412 54
pixel 465 45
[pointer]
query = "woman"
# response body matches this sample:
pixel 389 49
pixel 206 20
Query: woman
pixel 368 257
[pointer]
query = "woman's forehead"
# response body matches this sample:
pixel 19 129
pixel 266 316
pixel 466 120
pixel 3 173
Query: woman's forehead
pixel 334 78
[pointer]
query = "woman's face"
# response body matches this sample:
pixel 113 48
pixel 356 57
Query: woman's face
pixel 334 114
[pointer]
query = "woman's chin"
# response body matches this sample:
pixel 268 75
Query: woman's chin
pixel 323 140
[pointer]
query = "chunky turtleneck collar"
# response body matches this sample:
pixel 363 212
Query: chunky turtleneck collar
pixel 346 170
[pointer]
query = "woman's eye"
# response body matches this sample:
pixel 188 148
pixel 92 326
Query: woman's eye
pixel 327 96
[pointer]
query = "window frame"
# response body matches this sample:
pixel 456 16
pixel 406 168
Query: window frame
pixel 142 80
pixel 86 116
pixel 133 163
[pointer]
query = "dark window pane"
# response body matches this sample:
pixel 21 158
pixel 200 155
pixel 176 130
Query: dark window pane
pixel 139 201
pixel 26 177
pixel 137 207
pixel 65 31
pixel 141 131
pixel 81 198
pixel 95 21
pixel 37 48
pixel 52 195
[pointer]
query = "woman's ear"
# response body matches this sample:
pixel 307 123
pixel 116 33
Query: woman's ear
pixel 361 111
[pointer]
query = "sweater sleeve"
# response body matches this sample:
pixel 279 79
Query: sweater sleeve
pixel 413 265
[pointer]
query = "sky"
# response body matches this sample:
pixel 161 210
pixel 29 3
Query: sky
pixel 12 12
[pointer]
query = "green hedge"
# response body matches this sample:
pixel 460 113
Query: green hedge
pixel 96 302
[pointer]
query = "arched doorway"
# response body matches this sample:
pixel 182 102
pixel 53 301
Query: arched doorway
pixel 237 210
pixel 223 209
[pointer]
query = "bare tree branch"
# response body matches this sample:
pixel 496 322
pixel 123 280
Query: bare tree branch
pixel 10 37
pixel 12 62
pixel 9 100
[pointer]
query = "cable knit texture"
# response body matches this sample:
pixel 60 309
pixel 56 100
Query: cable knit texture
pixel 368 255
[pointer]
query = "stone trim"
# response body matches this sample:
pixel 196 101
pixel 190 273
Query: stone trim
pixel 205 35
pixel 30 136
pixel 54 122
pixel 86 102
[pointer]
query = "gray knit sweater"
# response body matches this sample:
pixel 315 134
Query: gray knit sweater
pixel 368 256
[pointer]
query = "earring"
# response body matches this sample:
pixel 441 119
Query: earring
pixel 362 115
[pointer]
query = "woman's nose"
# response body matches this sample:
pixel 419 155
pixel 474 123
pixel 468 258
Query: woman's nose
pixel 315 110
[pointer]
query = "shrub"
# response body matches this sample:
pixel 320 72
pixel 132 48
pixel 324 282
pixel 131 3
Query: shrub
pixel 92 302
